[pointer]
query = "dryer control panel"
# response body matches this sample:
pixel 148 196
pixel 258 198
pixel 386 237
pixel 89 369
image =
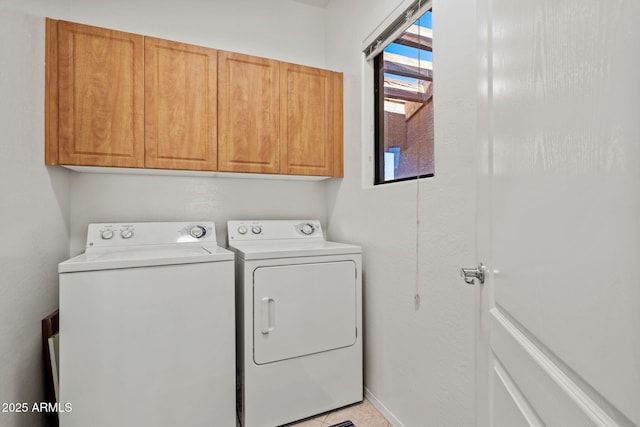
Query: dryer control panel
pixel 274 230
pixel 149 233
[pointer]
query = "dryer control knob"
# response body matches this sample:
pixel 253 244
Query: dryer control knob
pixel 106 234
pixel 256 229
pixel 307 229
pixel 198 231
pixel 126 234
pixel 242 229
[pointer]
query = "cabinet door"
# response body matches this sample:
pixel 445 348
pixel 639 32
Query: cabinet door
pixel 248 112
pixel 180 106
pixel 310 121
pixel 100 97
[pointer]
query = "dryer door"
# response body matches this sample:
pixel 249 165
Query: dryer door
pixel 303 309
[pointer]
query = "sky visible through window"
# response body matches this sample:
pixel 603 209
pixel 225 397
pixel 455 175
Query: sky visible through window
pixel 411 52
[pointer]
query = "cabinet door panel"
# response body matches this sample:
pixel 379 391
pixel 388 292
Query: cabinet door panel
pixel 180 106
pixel 101 100
pixel 308 119
pixel 248 90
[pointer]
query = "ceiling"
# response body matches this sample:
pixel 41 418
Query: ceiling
pixel 316 3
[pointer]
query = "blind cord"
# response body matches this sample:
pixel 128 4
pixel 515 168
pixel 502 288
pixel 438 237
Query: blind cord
pixel 416 298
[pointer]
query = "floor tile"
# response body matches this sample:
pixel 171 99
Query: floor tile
pixel 361 415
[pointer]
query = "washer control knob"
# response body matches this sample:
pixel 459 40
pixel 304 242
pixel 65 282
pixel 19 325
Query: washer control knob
pixel 106 234
pixel 256 229
pixel 307 229
pixel 126 234
pixel 198 231
pixel 242 229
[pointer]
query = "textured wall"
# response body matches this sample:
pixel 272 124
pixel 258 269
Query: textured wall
pixel 418 360
pixel 104 198
pixel 278 29
pixel 34 210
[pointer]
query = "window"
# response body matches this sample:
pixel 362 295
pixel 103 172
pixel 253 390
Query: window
pixel 404 101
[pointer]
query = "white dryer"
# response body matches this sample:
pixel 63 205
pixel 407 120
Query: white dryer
pixel 299 321
pixel 147 331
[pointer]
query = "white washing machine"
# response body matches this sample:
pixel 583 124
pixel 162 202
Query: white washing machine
pixel 299 321
pixel 147 331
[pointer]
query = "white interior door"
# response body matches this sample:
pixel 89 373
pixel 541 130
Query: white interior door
pixel 559 213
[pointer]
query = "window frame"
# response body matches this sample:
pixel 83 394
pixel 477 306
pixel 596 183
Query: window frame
pixel 374 52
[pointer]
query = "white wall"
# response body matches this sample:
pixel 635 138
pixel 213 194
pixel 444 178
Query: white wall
pixel 279 29
pixel 419 361
pixel 34 210
pixel 139 198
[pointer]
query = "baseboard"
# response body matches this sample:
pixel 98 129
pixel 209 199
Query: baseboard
pixel 395 422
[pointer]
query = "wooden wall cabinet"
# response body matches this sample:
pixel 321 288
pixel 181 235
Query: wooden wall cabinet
pixel 124 100
pixel 95 99
pixel 276 117
pixel 249 113
pixel 180 106
pixel 310 121
pixel 117 99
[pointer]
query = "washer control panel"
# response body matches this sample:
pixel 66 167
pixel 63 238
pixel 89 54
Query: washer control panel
pixel 198 231
pixel 149 233
pixel 274 229
pixel 306 228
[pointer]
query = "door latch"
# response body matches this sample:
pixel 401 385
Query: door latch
pixel 470 274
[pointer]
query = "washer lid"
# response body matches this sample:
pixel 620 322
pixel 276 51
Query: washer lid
pixel 267 249
pixel 144 256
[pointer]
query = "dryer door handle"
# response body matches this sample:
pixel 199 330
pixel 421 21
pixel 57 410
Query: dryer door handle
pixel 268 315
